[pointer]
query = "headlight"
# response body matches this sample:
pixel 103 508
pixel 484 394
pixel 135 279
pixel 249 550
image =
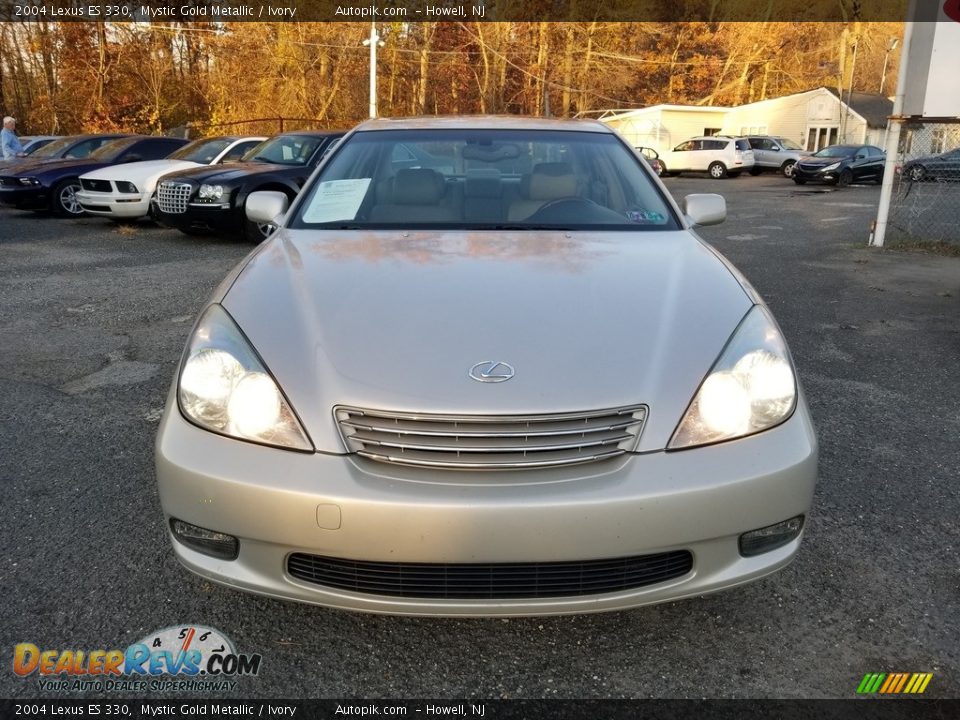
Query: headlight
pixel 828 168
pixel 211 192
pixel 224 387
pixel 29 181
pixel 126 187
pixel 750 388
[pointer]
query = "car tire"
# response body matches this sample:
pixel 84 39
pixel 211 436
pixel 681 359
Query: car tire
pixel 844 178
pixel 256 233
pixel 917 173
pixel 755 171
pixel 787 168
pixel 63 199
pixel 799 180
pixel 717 170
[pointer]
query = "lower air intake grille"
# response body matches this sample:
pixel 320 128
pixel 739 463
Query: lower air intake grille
pixel 497 581
pixel 490 442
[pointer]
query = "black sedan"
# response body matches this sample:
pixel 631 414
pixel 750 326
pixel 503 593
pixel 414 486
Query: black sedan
pixel 214 198
pixel 841 165
pixel 54 185
pixel 945 166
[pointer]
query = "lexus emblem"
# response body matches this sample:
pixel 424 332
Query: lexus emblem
pixel 491 371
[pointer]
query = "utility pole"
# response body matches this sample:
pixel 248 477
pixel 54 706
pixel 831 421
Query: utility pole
pixel 894 125
pixel 374 42
pixel 891 46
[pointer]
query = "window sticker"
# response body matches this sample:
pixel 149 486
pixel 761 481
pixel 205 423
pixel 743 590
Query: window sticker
pixel 336 200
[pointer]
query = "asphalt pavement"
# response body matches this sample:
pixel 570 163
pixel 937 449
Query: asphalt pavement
pixel 93 318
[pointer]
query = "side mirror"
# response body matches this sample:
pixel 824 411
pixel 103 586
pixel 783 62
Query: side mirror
pixel 775 148
pixel 266 206
pixel 704 209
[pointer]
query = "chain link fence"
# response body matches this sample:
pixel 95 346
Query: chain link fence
pixel 925 205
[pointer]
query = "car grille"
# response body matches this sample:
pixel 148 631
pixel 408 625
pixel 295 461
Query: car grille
pixel 493 581
pixel 95 185
pixel 489 442
pixel 172 197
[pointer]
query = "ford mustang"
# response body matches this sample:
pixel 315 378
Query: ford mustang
pixel 510 381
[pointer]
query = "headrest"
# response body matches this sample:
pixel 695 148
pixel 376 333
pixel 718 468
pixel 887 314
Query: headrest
pixel 483 182
pixel 550 181
pixel 418 186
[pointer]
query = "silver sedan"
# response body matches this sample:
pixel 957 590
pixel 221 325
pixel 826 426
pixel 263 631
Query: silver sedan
pixel 485 366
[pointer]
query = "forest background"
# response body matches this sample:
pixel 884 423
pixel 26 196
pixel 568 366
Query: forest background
pixel 152 77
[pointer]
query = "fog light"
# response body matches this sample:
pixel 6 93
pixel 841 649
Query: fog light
pixel 208 542
pixel 771 537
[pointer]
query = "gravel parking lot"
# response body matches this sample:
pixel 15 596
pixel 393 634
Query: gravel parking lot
pixel 94 318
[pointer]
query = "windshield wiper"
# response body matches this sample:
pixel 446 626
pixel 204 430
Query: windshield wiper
pixel 518 226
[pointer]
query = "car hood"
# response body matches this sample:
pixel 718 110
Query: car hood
pixel 79 166
pixel 229 172
pixel 815 162
pixel 395 321
pixel 140 173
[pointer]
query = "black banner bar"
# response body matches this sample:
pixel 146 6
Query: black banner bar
pixel 859 709
pixel 457 10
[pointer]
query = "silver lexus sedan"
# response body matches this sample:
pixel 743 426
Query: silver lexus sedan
pixel 485 366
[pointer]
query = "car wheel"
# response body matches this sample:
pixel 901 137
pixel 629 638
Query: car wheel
pixel 787 168
pixel 717 170
pixel 844 178
pixel 755 171
pixel 63 201
pixel 257 232
pixel 799 180
pixel 917 173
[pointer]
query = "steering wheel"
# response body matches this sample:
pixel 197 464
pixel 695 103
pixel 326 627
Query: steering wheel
pixel 564 209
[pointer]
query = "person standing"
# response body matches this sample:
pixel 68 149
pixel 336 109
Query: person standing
pixel 9 140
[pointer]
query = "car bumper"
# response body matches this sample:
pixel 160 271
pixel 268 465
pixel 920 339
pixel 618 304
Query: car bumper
pixel 111 205
pixel 220 218
pixel 278 502
pixel 24 197
pixel 830 176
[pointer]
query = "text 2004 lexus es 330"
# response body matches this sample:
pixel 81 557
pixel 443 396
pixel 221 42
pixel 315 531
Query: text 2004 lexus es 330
pixel 484 367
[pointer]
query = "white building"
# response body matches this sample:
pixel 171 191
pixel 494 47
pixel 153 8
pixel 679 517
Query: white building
pixel 813 119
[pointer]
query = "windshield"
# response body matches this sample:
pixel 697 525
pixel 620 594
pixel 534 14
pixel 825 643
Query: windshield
pixel 836 151
pixel 54 148
pixel 285 150
pixel 111 150
pixel 789 144
pixel 203 151
pixel 484 179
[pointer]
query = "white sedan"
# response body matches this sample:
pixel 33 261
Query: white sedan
pixel 123 192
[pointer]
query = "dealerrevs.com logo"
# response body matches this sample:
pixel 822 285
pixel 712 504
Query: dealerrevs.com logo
pixel 189 658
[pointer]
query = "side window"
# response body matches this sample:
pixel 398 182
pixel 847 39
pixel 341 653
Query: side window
pixel 757 143
pixel 714 144
pixel 875 151
pixel 685 146
pixel 83 149
pixel 239 150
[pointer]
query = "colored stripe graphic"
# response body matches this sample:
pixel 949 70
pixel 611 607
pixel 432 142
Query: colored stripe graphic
pixel 894 683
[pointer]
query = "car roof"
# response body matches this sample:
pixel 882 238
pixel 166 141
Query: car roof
pixel 311 133
pixel 482 122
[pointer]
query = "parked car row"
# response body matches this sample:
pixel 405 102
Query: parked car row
pixel 197 187
pixel 723 156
